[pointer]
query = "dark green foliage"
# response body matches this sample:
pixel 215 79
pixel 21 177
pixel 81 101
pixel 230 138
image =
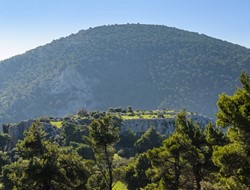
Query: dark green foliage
pixel 4 140
pixel 182 161
pixel 150 139
pixel 4 160
pixel 34 143
pixel 44 119
pixel 126 152
pixel 118 110
pixel 233 159
pixel 97 114
pixel 127 139
pixel 6 171
pixel 144 66
pixel 85 151
pixel 129 109
pixel 234 166
pixel 178 147
pixel 136 177
pixel 73 133
pixel 189 128
pixel 82 113
pixel 96 182
pixel 214 136
pixel 126 143
pixel 43 165
pixel 104 132
pixel 103 135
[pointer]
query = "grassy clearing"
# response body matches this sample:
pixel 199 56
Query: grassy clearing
pixel 145 116
pixel 120 186
pixel 57 124
pixel 125 117
pixel 116 156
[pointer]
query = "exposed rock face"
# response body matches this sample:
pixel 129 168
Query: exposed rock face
pixel 200 119
pixel 16 131
pixel 162 125
pixel 68 91
pixel 72 87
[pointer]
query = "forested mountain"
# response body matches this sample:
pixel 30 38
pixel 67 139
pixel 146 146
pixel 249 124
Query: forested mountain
pixel 144 66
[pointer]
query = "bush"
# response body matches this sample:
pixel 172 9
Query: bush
pixel 82 113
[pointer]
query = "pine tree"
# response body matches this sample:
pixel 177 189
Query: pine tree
pixel 43 165
pixel 103 135
pixel 233 159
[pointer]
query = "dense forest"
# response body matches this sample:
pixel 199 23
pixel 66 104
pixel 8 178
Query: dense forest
pixel 100 156
pixel 143 66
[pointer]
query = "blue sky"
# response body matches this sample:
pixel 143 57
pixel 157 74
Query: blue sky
pixel 26 24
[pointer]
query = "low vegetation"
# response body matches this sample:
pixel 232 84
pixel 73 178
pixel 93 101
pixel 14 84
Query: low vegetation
pixel 120 186
pixel 57 124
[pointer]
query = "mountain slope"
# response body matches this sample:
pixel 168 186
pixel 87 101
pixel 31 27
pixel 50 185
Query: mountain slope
pixel 144 66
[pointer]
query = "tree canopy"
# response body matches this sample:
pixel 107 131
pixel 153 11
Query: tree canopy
pixel 43 165
pixel 233 159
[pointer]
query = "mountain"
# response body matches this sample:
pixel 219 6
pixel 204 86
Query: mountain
pixel 143 66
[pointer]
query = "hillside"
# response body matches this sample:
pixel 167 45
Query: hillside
pixel 144 66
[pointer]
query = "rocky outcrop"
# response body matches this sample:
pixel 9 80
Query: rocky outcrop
pixel 16 131
pixel 200 119
pixel 70 90
pixel 162 125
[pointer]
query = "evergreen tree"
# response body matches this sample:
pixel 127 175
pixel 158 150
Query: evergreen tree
pixel 169 162
pixel 136 176
pixel 150 139
pixel 181 158
pixel 126 144
pixel 233 159
pixel 103 135
pixel 196 154
pixel 43 165
pixel 214 137
pixel 4 140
